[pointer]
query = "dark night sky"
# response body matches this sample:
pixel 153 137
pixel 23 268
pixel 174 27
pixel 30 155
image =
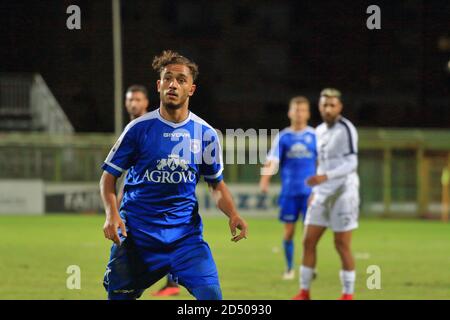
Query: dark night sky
pixel 253 55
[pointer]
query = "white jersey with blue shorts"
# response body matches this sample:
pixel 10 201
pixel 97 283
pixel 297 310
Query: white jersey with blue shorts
pixel 335 202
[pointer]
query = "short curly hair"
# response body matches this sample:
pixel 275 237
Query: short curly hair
pixel 172 57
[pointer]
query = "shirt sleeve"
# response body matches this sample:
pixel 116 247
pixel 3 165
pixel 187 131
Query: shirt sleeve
pixel 349 165
pixel 350 158
pixel 350 138
pixel 211 167
pixel 315 147
pixel 122 154
pixel 275 150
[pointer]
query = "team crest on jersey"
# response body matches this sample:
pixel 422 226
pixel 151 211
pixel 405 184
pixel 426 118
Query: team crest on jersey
pixel 172 162
pixel 195 146
pixel 308 139
pixel 299 150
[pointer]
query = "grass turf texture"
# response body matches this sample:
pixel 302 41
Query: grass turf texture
pixel 414 257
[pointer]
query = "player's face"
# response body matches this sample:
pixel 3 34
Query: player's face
pixel 175 86
pixel 299 113
pixel 136 104
pixel 330 108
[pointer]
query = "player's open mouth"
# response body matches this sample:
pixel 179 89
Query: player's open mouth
pixel 171 94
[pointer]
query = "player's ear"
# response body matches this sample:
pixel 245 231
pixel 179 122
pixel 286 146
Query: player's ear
pixel 192 90
pixel 158 85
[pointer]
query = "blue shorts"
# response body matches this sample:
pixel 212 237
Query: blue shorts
pixel 291 207
pixel 132 269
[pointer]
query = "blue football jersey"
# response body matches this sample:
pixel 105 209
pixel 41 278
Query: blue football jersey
pixel 296 153
pixel 165 161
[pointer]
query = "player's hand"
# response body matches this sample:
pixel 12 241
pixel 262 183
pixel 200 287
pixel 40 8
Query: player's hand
pixel 236 222
pixel 315 180
pixel 111 226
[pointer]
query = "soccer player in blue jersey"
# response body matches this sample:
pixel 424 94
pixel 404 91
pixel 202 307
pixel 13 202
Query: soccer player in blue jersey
pixel 157 229
pixel 294 152
pixel 136 104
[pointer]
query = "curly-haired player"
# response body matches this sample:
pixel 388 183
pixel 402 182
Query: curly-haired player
pixel 158 229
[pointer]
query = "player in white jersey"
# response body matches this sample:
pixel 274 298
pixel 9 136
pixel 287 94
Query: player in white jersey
pixel 335 202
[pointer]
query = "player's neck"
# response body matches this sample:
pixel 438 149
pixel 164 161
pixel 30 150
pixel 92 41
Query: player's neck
pixel 174 115
pixel 133 117
pixel 298 126
pixel 334 121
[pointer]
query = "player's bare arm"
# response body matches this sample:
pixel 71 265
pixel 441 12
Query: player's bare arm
pixel 119 196
pixel 270 169
pixel 225 203
pixel 113 220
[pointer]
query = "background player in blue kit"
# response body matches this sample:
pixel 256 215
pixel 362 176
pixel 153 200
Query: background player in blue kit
pixel 294 152
pixel 158 229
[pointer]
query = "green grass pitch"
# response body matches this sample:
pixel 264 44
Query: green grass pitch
pixel 414 257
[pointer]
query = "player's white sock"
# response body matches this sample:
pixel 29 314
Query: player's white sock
pixel 348 281
pixel 306 276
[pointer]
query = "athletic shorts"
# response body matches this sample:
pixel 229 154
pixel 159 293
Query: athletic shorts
pixel 338 212
pixel 132 269
pixel 291 207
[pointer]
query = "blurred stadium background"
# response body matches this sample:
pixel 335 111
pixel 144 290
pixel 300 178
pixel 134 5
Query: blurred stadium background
pixel 57 123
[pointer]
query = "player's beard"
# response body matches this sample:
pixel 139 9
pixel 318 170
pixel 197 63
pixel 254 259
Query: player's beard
pixel 134 113
pixel 173 106
pixel 330 120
